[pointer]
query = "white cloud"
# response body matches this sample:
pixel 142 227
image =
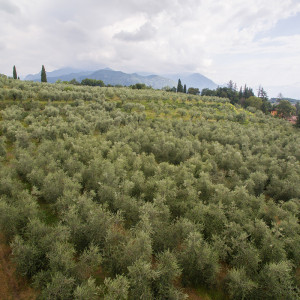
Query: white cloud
pixel 216 38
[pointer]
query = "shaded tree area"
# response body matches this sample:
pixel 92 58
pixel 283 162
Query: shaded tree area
pixel 116 193
pixel 92 82
pixel 193 91
pixel 285 109
pixel 244 96
pixel 140 86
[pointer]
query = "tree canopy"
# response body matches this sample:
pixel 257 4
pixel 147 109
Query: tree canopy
pixel 193 91
pixel 120 193
pixel 285 108
pixel 92 82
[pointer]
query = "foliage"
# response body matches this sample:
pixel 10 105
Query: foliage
pixel 239 285
pixel 199 261
pixel 276 282
pixel 116 289
pixel 244 97
pixel 285 109
pixel 193 91
pixel 139 86
pixel 141 277
pixel 92 82
pixel 87 290
pixel 125 194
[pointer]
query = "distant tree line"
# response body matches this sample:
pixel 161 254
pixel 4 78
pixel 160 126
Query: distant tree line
pixel 100 83
pixel 244 96
pixel 182 89
pixel 140 86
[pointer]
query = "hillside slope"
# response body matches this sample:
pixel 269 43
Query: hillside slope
pixel 115 192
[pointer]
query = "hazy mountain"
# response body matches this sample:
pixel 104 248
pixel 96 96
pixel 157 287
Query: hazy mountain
pixel 118 77
pixel 109 76
pixel 195 80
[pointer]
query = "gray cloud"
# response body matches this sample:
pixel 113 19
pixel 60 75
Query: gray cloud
pixel 145 32
pixel 8 7
pixel 159 36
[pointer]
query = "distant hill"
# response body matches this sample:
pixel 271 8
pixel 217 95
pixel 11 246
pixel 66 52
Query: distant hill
pixel 195 80
pixel 109 76
pixel 118 77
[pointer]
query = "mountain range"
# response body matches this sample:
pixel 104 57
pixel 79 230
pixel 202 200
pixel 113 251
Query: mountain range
pixel 109 76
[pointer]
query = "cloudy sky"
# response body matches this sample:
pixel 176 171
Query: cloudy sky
pixel 254 42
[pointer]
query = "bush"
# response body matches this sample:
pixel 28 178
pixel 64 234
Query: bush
pixel 198 261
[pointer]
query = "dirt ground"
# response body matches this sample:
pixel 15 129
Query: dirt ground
pixel 12 287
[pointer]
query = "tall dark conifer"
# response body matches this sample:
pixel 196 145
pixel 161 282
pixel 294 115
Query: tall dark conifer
pixel 15 76
pixel 184 88
pixel 179 86
pixel 43 74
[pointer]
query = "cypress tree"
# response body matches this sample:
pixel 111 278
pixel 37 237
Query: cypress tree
pixel 179 86
pixel 184 88
pixel 43 74
pixel 15 76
